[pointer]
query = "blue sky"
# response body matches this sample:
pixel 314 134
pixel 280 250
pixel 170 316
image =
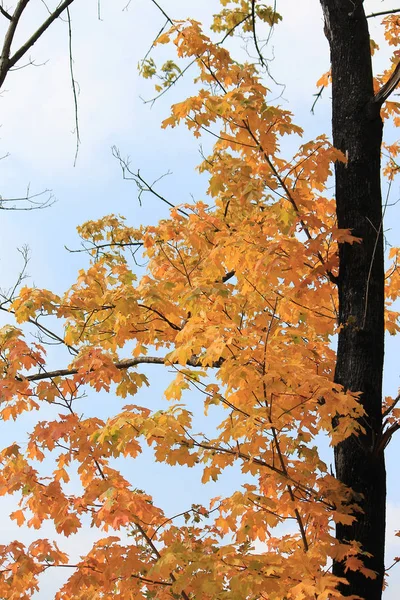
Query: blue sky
pixel 37 122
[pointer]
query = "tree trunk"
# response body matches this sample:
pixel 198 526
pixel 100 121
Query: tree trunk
pixel 357 132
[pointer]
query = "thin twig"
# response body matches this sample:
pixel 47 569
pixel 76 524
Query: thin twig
pixel 163 12
pixel 383 12
pixel 73 83
pixel 317 96
pixel 255 39
pixel 29 199
pixel 141 183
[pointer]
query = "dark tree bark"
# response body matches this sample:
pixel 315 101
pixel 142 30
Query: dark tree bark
pixel 357 132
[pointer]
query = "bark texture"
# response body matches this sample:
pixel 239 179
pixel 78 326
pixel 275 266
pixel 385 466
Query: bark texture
pixel 357 132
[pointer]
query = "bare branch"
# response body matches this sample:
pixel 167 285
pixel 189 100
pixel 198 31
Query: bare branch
pixel 383 12
pixel 8 38
pixel 142 184
pixel 163 12
pixel 5 13
pixel 7 62
pixel 317 96
pixel 74 89
pixel 30 63
pixel 9 295
pixel 27 202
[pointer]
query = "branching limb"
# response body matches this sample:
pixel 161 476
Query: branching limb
pixel 289 196
pixel 30 63
pixel 193 510
pixel 142 185
pixel 98 247
pixel 52 335
pixel 7 296
pixel 5 13
pixel 317 96
pixel 7 61
pixel 28 202
pixel 385 91
pixel 386 437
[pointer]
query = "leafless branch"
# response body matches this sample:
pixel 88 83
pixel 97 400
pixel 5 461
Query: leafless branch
pixel 163 12
pixel 8 38
pixel 9 295
pixel 74 88
pixel 383 12
pixel 5 13
pixel 28 202
pixel 30 63
pixel 6 60
pixel 142 185
pixel 317 96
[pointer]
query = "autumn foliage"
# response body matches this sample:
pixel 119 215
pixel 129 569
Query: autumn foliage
pixel 239 299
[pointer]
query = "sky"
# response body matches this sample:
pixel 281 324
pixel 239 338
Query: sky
pixel 37 133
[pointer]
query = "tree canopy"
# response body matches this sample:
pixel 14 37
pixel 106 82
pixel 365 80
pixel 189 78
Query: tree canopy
pixel 239 298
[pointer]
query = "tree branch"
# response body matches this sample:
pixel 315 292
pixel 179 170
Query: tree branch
pixel 386 437
pixel 6 63
pixel 5 13
pixel 8 38
pixel 385 91
pixel 142 184
pixel 74 87
pixel 391 407
pixel 383 12
pixel 126 363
